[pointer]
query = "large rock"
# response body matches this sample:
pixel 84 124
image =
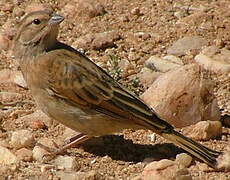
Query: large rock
pixel 182 97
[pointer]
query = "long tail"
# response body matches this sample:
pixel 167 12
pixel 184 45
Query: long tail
pixel 201 152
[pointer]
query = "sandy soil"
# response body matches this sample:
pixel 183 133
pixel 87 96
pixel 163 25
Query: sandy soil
pixel 121 156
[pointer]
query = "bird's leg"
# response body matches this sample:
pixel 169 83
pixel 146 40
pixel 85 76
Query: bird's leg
pixel 73 141
pixel 76 140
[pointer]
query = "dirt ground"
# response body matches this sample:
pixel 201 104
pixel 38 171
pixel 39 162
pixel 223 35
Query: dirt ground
pixel 121 156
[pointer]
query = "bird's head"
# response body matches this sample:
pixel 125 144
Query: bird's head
pixel 39 28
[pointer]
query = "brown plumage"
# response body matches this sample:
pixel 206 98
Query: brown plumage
pixel 70 88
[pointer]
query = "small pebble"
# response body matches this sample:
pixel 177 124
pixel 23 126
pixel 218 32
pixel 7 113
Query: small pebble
pixel 67 162
pixel 24 154
pixel 183 160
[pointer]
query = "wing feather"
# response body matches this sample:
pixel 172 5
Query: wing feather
pixel 85 84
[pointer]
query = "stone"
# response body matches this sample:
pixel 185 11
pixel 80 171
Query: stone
pixel 126 67
pixel 165 169
pixel 7 157
pixel 22 138
pixel 4 42
pixel 89 8
pixel 136 11
pixel 19 79
pixel 223 162
pixel 204 130
pixel 97 41
pixel 78 175
pixel 46 167
pixel 9 76
pixel 214 60
pixel 39 153
pixel 186 44
pixel 147 77
pixel 171 95
pixel 37 120
pixel 24 154
pixel 66 162
pixel 183 160
pixel 173 59
pixel 160 65
pixel 194 19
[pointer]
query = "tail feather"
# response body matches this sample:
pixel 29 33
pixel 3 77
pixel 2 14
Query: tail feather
pixel 201 152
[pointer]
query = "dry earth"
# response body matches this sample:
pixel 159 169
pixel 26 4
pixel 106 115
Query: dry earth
pixel 144 28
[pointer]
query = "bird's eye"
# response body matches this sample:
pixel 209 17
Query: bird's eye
pixel 36 21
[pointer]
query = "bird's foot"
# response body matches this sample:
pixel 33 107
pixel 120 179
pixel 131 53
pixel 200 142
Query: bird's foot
pixel 57 150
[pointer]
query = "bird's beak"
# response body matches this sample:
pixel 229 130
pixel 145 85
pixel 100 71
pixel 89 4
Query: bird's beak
pixel 55 19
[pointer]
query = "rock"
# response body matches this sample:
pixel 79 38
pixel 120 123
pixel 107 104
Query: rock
pixel 97 41
pixel 37 120
pixel 171 95
pixel 7 157
pixel 47 167
pixel 16 77
pixel 66 162
pixel 183 160
pixel 78 175
pixel 165 169
pixel 194 19
pixel 6 75
pixel 88 8
pixel 147 77
pixel 22 138
pixel 126 67
pixel 214 60
pixel 24 154
pixel 39 154
pixel 180 14
pixel 173 59
pixel 136 11
pixel 223 162
pixel 204 130
pixel 4 42
pixel 186 44
pixel 19 79
pixel 157 64
pixel 83 8
pixel 37 124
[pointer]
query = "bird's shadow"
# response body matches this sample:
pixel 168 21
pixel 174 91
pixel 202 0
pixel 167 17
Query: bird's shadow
pixel 122 149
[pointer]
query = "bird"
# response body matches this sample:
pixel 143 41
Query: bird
pixel 70 88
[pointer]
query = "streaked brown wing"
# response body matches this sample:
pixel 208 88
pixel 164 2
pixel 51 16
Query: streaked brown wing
pixel 76 78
